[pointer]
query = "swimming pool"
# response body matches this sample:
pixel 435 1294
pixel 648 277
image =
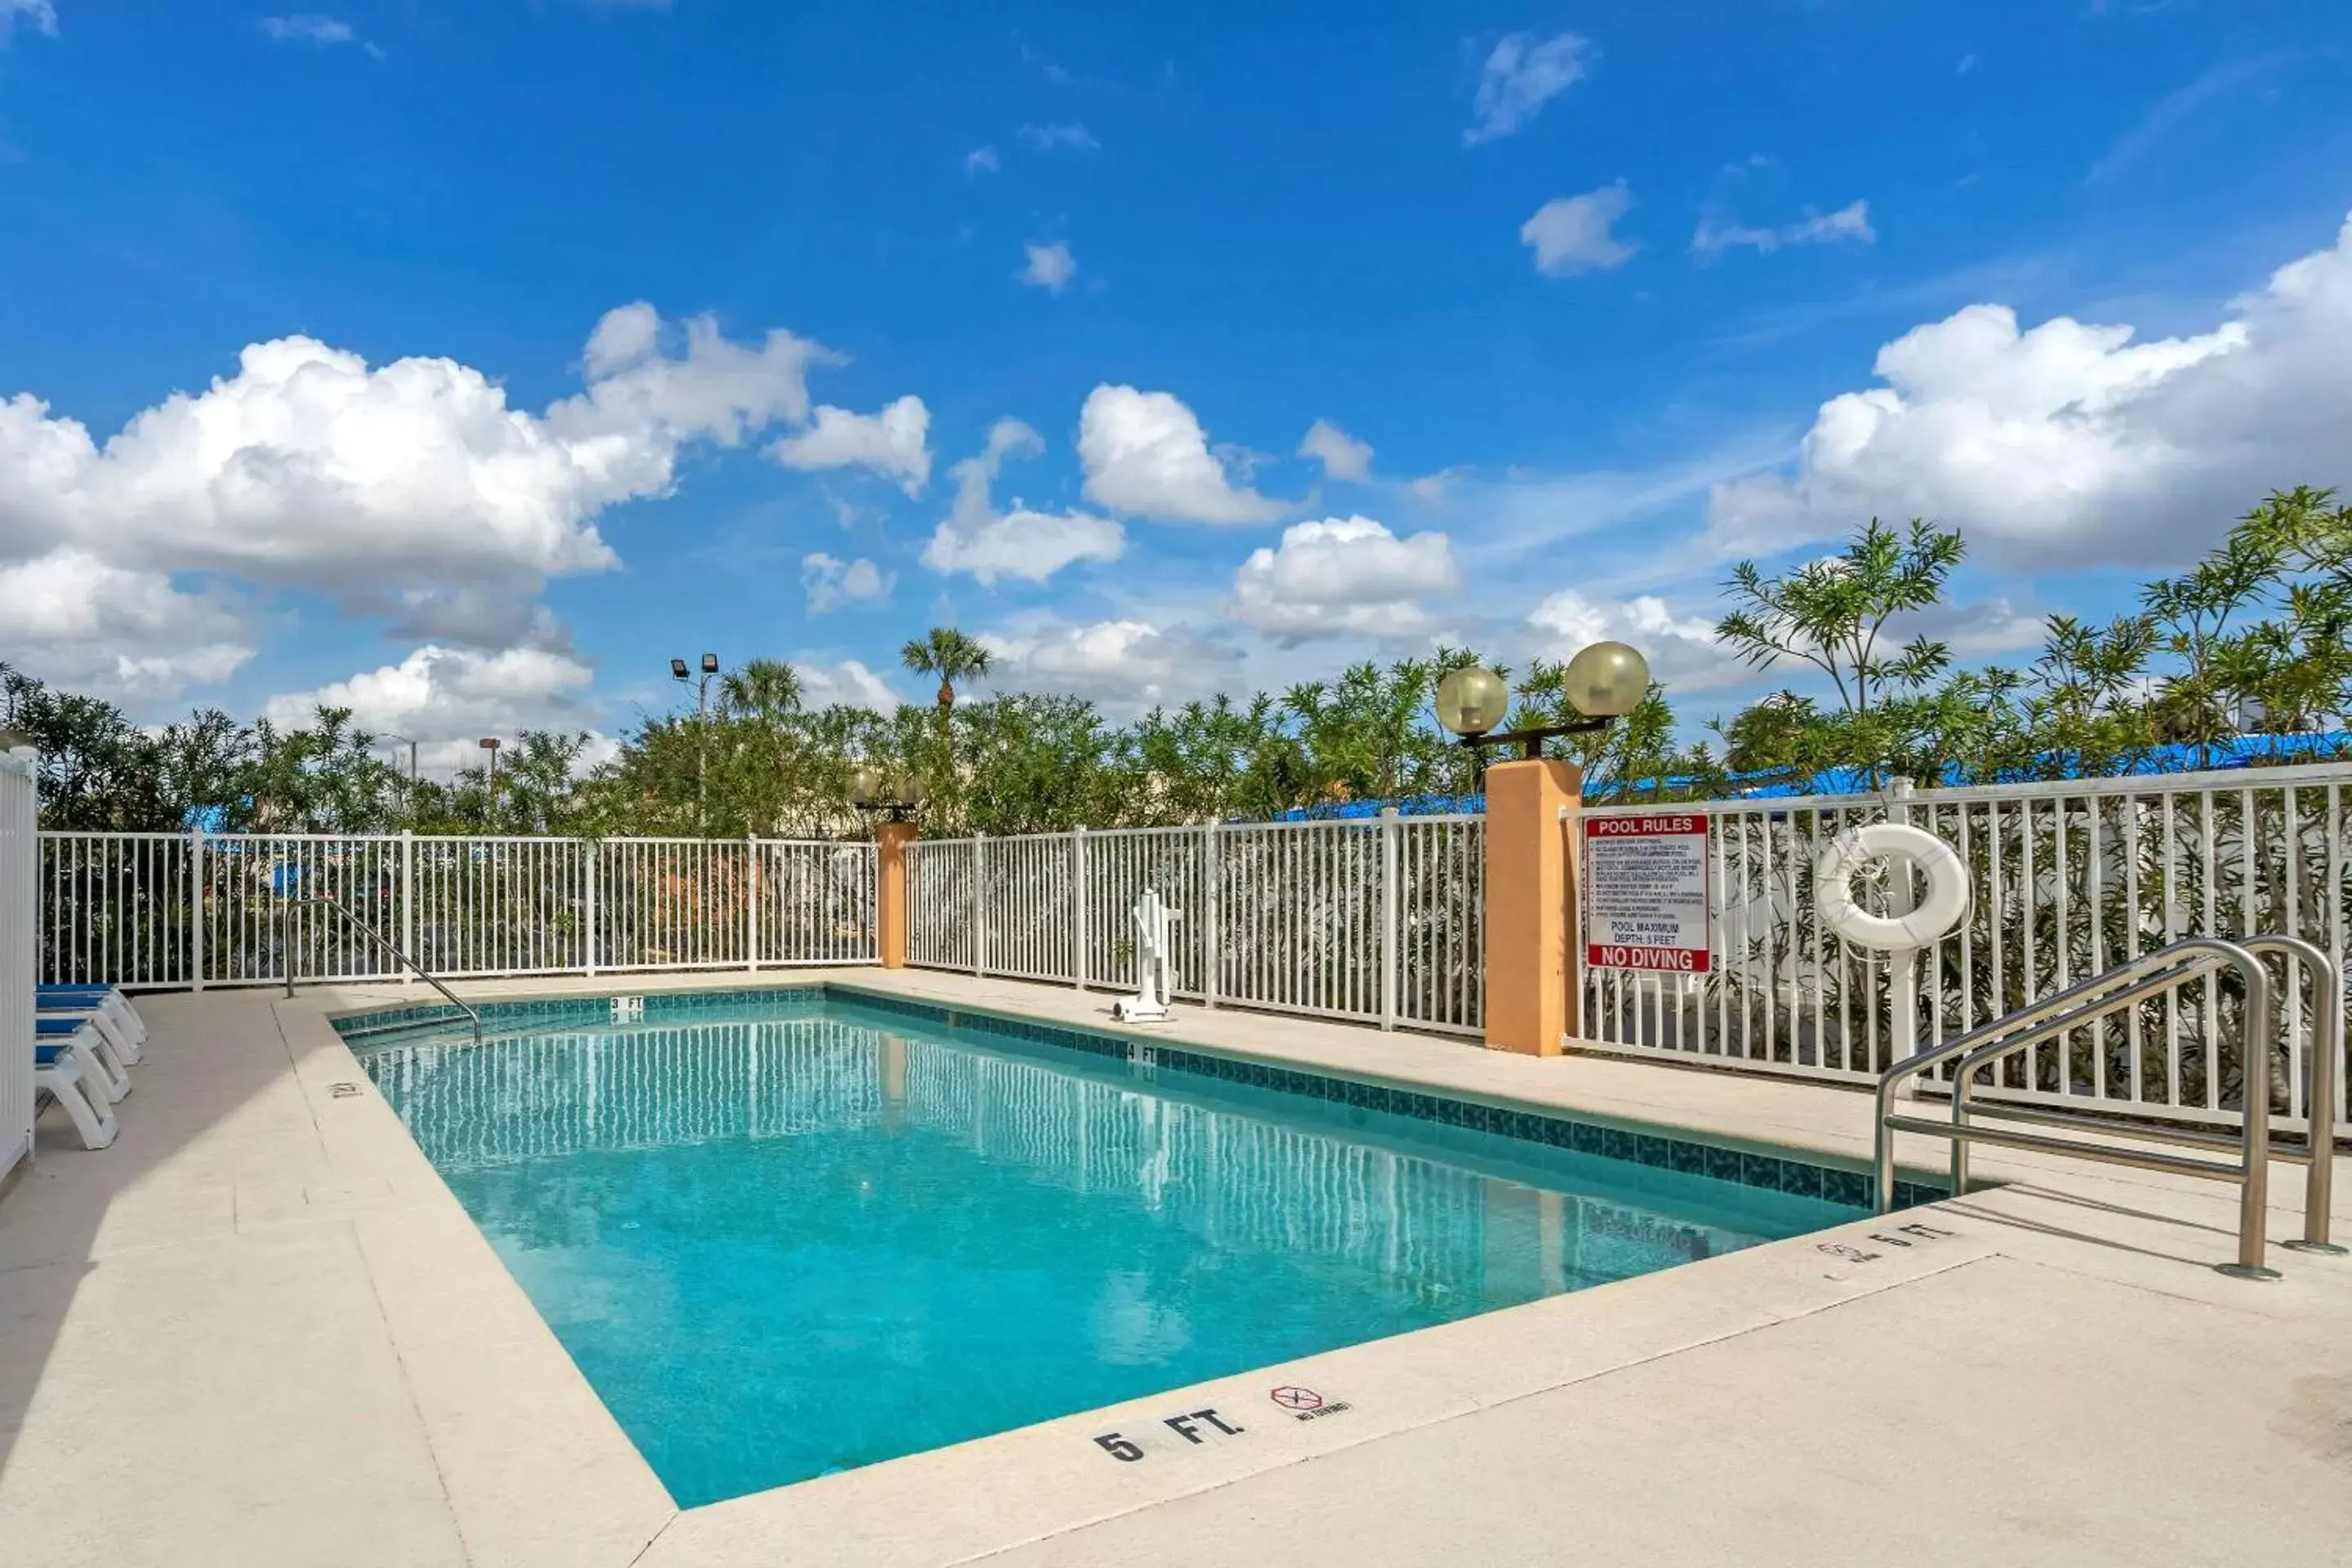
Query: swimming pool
pixel 790 1232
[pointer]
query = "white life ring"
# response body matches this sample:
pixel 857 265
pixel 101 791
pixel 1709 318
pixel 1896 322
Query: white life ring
pixel 1944 905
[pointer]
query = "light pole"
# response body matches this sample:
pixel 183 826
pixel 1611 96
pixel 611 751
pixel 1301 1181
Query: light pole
pixel 679 672
pixel 1606 682
pixel 894 793
pixel 489 744
pixel 411 744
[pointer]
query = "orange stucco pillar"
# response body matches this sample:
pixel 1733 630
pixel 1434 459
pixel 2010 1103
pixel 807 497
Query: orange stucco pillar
pixel 1530 905
pixel 890 841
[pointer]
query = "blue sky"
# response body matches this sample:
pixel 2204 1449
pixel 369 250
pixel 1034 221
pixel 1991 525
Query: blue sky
pixel 1588 301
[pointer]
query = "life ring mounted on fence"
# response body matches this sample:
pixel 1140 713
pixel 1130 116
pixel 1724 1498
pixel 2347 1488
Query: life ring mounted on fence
pixel 1944 905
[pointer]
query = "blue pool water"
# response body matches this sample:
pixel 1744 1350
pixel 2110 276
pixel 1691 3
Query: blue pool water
pixel 799 1234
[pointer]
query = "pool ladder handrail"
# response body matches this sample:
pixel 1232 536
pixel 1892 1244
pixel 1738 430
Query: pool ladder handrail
pixel 2112 992
pixel 286 945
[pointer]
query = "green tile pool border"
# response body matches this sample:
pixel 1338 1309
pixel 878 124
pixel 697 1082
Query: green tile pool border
pixel 1781 1174
pixel 773 1001
pixel 1772 1173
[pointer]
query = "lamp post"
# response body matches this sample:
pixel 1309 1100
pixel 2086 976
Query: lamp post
pixel 893 793
pixel 1532 910
pixel 411 744
pixel 489 744
pixel 1606 682
pixel 679 673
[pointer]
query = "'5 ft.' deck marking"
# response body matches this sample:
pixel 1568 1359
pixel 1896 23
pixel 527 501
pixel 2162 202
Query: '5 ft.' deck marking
pixel 1188 1425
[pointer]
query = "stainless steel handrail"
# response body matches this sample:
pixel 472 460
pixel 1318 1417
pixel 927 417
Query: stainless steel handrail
pixel 2093 999
pixel 2325 1062
pixel 2150 975
pixel 286 945
pixel 2322 1064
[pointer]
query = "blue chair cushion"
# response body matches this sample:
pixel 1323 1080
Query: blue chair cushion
pixel 100 992
pixel 46 1056
pixel 57 1025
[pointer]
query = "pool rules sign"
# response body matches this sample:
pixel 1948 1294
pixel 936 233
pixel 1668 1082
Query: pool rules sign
pixel 1645 892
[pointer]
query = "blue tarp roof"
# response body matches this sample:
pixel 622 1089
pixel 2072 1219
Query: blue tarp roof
pixel 2243 752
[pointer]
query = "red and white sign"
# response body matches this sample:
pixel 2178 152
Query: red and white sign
pixel 1645 892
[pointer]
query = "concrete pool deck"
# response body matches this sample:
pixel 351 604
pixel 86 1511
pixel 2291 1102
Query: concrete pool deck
pixel 260 1330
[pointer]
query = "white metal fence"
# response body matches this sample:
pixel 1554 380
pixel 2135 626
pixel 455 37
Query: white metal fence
pixel 2069 879
pixel 1377 918
pixel 196 909
pixel 19 934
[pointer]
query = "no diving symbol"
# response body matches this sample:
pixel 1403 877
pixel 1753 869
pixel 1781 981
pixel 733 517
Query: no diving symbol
pixel 1291 1397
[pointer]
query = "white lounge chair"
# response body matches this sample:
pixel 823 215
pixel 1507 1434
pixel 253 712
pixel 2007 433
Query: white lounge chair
pixel 102 1071
pixel 58 1074
pixel 109 1002
pixel 122 1051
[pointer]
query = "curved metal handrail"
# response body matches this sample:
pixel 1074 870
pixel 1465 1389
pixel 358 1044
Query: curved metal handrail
pixel 2157 974
pixel 2321 1066
pixel 286 946
pixel 2319 1093
pixel 2078 1005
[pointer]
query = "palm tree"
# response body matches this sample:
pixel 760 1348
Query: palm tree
pixel 949 655
pixel 765 689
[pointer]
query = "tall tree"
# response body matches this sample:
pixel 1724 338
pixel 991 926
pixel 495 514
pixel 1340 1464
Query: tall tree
pixel 765 689
pixel 949 655
pixel 1833 612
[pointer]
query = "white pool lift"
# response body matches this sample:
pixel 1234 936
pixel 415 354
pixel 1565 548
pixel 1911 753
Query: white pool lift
pixel 1155 961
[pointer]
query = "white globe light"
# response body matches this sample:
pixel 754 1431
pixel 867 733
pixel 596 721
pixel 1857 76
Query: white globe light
pixel 1608 680
pixel 1471 701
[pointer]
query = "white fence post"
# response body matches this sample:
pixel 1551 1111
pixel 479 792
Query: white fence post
pixel 979 907
pixel 1211 899
pixel 196 909
pixel 1902 984
pixel 595 852
pixel 1079 902
pixel 1389 932
pixel 408 903
pixel 751 902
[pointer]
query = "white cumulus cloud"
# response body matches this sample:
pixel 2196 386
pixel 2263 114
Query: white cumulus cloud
pixel 1344 574
pixel 412 489
pixel 892 443
pixel 308 466
pixel 1682 651
pixel 1050 266
pixel 980 161
pixel 71 619
pixel 1144 453
pixel 1573 234
pixel 2069 443
pixel 447 698
pixel 977 539
pixel 829 582
pixel 1342 456
pixel 1128 666
pixel 1522 74
pixel 1717 234
pixel 848 684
